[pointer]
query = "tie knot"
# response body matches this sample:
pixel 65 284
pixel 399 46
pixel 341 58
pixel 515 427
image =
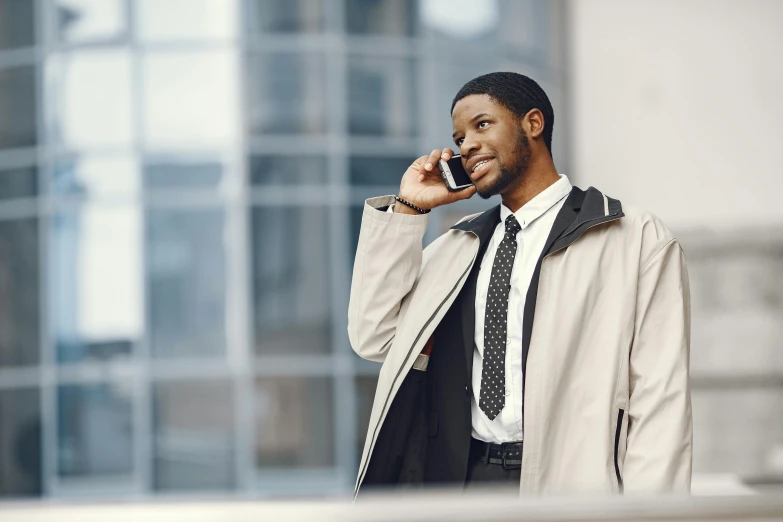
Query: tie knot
pixel 512 225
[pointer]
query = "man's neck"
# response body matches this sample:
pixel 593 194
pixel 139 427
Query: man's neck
pixel 539 176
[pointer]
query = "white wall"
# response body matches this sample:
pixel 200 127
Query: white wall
pixel 677 107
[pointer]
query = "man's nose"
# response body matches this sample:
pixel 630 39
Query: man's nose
pixel 468 147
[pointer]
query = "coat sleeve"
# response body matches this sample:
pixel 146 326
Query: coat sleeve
pixel 659 441
pixel 388 259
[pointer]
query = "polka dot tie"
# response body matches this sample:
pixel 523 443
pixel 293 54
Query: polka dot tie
pixel 493 372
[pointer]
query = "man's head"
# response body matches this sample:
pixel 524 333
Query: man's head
pixel 506 120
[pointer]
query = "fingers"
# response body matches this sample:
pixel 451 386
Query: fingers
pixel 468 192
pixel 432 161
pixel 422 162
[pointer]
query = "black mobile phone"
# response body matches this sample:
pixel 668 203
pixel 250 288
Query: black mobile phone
pixel 454 174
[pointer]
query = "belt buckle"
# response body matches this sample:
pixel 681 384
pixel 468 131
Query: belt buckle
pixel 511 463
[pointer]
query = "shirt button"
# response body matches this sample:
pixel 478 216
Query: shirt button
pixel 467 391
pixel 508 392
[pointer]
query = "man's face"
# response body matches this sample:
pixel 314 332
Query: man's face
pixel 494 148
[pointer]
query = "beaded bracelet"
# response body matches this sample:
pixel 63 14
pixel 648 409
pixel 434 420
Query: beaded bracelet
pixel 414 207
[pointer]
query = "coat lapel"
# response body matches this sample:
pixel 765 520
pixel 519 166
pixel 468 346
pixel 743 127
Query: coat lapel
pixel 482 226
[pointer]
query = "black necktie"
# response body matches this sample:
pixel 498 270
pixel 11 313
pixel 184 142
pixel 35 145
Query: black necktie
pixel 493 372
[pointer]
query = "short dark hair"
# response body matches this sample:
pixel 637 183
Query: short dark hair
pixel 517 93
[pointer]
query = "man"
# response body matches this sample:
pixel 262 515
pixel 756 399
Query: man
pixel 543 343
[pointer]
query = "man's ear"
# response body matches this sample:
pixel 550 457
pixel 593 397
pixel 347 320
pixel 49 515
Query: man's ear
pixel 534 123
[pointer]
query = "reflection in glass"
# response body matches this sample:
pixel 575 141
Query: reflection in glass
pixel 89 98
pixel 186 285
pixel 19 293
pixel 20 443
pixel 18 107
pixel 166 20
pixel 291 286
pixel 295 422
pixel 190 98
pixel 95 290
pixel 183 174
pixel 95 433
pixel 465 19
pixel 18 183
pixel 288 170
pixel 381 17
pixel 193 441
pixel 285 16
pixel 386 171
pixel 94 176
pixel 365 393
pixel 381 97
pixel 286 93
pixel 89 20
pixel 17 24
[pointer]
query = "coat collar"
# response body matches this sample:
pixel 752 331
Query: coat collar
pixel 581 208
pixel 482 225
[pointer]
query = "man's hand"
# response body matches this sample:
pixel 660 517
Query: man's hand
pixel 423 185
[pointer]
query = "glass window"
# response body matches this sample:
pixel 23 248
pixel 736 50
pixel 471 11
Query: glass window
pixel 95 431
pixel 286 93
pixel 94 176
pixel 17 24
pixel 19 293
pixel 193 440
pixel 186 287
pixel 18 183
pixel 381 97
pixel 89 98
pixel 295 422
pixel 166 20
pixel 95 282
pixel 286 16
pixel 288 170
pixel 18 107
pixel 291 282
pixel 385 171
pixel 190 99
pixel 89 20
pixel 381 17
pixel 20 443
pixel 182 174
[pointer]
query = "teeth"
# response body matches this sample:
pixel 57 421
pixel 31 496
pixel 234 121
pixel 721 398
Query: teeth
pixel 477 165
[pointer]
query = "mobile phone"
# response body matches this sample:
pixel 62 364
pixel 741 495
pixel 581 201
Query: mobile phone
pixel 454 174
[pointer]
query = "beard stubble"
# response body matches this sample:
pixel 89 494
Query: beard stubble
pixel 509 174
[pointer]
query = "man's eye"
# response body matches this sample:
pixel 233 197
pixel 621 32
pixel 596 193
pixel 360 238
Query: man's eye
pixel 459 142
pixel 482 124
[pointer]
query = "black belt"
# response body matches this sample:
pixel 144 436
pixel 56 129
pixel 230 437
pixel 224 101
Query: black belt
pixel 509 454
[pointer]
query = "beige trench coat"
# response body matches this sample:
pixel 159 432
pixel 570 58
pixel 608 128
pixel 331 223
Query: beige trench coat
pixel 607 397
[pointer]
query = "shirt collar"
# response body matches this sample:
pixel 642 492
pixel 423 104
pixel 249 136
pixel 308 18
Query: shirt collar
pixel 537 207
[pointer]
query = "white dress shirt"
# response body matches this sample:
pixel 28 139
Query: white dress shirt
pixel 536 219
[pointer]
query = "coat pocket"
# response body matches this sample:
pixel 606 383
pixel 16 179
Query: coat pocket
pixel 617 432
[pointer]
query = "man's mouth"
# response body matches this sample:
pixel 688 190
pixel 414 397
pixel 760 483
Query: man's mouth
pixel 480 168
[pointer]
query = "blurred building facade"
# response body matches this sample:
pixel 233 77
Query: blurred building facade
pixel 181 185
